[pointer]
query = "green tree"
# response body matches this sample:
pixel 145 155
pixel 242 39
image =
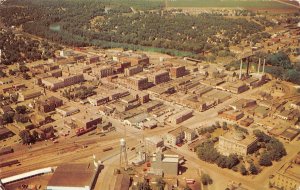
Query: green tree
pixel 276 149
pixel 253 169
pixel 8 117
pixel 187 188
pixel 25 76
pixel 2 74
pixel 23 68
pixel 21 118
pixel 243 170
pixel 21 109
pixel 206 179
pixel 25 136
pixel 160 183
pixel 292 75
pixel 11 72
pixel 143 185
pixel 35 135
pixel 265 159
pixel 232 160
pixel 279 59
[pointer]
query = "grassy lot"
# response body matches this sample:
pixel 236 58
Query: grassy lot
pixel 227 3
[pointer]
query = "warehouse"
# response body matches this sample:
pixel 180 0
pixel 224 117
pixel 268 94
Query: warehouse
pixel 73 177
pixel 181 116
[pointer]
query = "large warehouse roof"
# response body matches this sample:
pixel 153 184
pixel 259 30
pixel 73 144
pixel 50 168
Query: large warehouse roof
pixel 73 177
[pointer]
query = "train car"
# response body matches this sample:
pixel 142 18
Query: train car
pixel 107 149
pixel 9 163
pixel 6 150
pixel 81 131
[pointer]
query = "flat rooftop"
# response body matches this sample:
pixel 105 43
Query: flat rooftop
pixel 167 158
pixel 239 138
pixel 73 175
pixel 67 108
pixel 52 80
pixel 154 139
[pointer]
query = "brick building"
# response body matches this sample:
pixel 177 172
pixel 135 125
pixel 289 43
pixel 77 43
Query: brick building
pixel 133 70
pixel 235 142
pixel 29 94
pixel 160 77
pixel 232 115
pixel 53 83
pixel 135 59
pixel 177 72
pixel 49 104
pixel 98 100
pixel 181 116
pixel 138 82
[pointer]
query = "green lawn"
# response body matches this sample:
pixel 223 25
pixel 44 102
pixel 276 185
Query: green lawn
pixel 226 3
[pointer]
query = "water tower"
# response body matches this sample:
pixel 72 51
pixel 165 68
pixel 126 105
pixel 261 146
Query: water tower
pixel 123 154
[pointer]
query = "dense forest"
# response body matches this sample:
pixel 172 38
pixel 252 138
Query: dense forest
pixel 16 48
pixel 128 24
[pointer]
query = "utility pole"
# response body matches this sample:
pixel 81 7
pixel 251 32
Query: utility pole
pixel 264 66
pixel 258 70
pixel 241 66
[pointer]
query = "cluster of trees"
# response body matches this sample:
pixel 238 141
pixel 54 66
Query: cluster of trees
pixel 2 74
pixel 264 21
pixel 28 137
pixel 207 152
pixel 81 92
pixel 144 185
pixel 158 29
pixel 8 117
pixel 212 128
pixel 282 68
pixel 18 115
pixel 176 31
pixel 258 37
pixel 274 149
pixel 21 49
pixel 254 170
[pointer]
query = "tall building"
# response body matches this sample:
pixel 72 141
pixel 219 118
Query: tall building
pixel 164 164
pixel 133 70
pixel 138 82
pixel 236 143
pixel 177 72
pixel 160 77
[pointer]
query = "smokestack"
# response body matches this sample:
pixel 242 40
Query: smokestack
pixel 258 69
pixel 240 76
pixel 248 66
pixel 264 66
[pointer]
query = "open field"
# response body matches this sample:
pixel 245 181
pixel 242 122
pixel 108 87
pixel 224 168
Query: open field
pixel 250 4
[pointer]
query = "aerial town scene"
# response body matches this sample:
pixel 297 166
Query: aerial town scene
pixel 149 95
